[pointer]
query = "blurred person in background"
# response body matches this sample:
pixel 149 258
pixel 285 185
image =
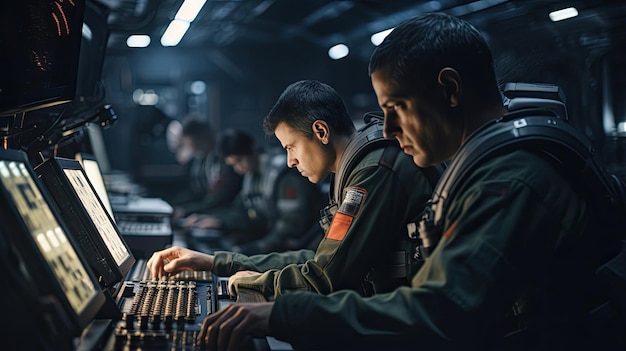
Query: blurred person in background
pixel 212 183
pixel 274 204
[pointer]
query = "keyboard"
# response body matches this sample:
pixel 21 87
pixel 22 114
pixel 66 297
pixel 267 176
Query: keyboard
pixel 144 228
pixel 140 272
pixel 164 314
pixel 167 314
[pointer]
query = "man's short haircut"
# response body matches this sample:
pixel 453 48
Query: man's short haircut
pixel 417 49
pixel 235 142
pixel 306 101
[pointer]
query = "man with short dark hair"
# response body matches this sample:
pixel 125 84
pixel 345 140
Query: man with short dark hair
pixel 508 270
pixel 379 190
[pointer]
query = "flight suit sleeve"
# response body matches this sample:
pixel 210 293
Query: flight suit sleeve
pixel 226 263
pixel 379 202
pixel 294 215
pixel 466 288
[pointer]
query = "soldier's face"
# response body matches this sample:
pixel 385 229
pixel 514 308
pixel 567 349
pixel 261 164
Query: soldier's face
pixel 420 123
pixel 184 150
pixel 309 156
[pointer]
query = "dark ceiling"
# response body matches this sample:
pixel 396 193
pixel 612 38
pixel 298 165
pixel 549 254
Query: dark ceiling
pixel 321 24
pixel 244 37
pixel 252 49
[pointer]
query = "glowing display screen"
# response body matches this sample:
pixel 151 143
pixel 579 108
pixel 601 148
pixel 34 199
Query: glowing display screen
pixel 51 240
pixel 95 177
pixel 98 216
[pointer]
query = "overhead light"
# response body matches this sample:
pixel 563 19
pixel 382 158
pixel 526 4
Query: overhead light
pixel 563 14
pixel 189 10
pixel 174 33
pixel 138 41
pixel 378 38
pixel 197 87
pixel 338 51
pixel 186 14
pixel 145 98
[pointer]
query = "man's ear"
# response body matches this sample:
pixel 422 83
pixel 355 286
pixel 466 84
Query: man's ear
pixel 450 83
pixel 321 131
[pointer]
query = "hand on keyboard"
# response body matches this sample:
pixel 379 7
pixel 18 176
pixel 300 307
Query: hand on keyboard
pixel 176 259
pixel 231 327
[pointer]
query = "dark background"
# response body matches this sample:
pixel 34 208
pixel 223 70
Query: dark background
pixel 246 52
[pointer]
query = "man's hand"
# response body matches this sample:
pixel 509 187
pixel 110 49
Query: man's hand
pixel 176 259
pixel 232 280
pixel 207 222
pixel 191 219
pixel 202 221
pixel 231 328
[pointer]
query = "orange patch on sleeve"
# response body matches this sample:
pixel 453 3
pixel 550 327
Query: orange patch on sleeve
pixel 339 226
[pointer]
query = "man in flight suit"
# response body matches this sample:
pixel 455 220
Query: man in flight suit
pixel 507 251
pixel 274 203
pixel 384 191
pixel 212 183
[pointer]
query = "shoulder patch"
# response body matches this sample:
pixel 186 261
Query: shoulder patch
pixel 353 201
pixel 350 208
pixel 339 226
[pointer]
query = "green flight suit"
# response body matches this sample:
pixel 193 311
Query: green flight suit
pixel 228 263
pixel 364 233
pixel 507 224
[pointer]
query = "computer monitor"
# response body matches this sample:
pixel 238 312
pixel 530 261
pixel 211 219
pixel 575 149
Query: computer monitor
pixel 90 222
pixel 52 273
pixel 40 47
pixel 93 45
pixel 94 174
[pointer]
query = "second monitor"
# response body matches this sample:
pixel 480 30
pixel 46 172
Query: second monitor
pixel 90 223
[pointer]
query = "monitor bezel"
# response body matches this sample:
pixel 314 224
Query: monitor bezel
pixel 17 231
pixel 78 218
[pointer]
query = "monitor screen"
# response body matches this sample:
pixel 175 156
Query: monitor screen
pixel 46 238
pixel 92 53
pixel 43 38
pixel 105 226
pixel 94 174
pixel 85 213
